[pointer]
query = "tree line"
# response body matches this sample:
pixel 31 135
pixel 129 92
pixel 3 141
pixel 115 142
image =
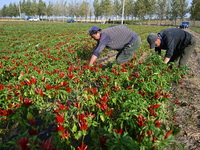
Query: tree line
pixel 104 9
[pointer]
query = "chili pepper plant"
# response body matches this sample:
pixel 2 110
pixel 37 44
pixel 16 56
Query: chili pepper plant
pixel 51 99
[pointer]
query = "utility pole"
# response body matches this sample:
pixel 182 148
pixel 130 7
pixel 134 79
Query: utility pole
pixel 19 9
pixel 123 12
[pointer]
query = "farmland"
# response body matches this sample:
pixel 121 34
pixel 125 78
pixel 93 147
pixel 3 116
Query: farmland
pixel 51 99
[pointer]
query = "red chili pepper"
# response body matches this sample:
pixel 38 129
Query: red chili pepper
pixel 154 148
pixel 120 131
pixel 157 123
pixel 168 133
pixel 60 118
pixel 83 146
pixel 23 143
pixel 149 133
pixel 154 139
pixel 141 120
pixel 103 140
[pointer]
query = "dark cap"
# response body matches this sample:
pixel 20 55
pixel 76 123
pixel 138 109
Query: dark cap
pixel 151 40
pixel 94 30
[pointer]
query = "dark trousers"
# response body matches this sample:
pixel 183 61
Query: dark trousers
pixel 182 56
pixel 127 52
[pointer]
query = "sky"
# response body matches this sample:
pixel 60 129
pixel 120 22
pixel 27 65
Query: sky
pixel 7 2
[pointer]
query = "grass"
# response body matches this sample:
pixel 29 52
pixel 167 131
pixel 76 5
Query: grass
pixel 196 29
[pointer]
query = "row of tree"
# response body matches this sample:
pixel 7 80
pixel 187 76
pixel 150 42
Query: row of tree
pixel 129 9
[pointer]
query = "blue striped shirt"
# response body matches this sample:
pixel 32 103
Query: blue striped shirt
pixel 114 38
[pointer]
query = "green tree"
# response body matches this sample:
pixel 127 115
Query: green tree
pixel 195 10
pixel 134 11
pixel 56 9
pixel 106 8
pixel 26 8
pixel 4 11
pixel 49 10
pixel 128 8
pixel 117 8
pixel 22 6
pixel 84 9
pixel 149 8
pixel 91 10
pixel 97 9
pixel 41 8
pixel 10 9
pixel 63 8
pixel 161 9
pixel 34 8
pixel 175 9
pixel 15 10
pixel 168 11
pixel 183 9
pixel 140 11
pixel 73 9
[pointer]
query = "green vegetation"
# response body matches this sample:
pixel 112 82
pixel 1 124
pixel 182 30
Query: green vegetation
pixel 196 29
pixel 51 99
pixel 106 9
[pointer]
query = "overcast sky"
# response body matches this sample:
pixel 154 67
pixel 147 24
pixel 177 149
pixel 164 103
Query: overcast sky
pixel 7 2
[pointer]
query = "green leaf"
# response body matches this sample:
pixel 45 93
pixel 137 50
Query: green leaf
pixel 74 128
pixel 78 135
pixel 29 115
pixel 102 117
pixel 114 100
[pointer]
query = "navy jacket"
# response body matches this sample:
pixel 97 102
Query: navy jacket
pixel 173 39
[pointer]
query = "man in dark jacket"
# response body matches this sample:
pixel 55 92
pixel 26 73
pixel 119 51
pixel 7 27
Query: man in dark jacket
pixel 119 38
pixel 178 44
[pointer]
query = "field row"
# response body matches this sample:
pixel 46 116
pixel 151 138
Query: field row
pixel 51 99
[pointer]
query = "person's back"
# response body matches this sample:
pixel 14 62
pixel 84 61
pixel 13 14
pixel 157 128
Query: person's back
pixel 178 44
pixel 119 36
pixel 179 37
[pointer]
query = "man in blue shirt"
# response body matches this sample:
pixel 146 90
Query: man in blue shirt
pixel 119 38
pixel 178 44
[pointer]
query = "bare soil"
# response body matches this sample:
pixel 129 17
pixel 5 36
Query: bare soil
pixel 189 95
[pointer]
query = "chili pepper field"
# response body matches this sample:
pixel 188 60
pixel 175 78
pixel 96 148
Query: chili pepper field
pixel 50 99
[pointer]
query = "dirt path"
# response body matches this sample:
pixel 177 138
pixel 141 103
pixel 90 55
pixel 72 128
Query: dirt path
pixel 189 93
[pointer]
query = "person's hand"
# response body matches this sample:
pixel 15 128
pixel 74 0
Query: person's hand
pixel 92 60
pixel 166 60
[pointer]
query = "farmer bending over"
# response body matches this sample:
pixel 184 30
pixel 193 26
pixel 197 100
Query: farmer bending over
pixel 119 38
pixel 178 44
